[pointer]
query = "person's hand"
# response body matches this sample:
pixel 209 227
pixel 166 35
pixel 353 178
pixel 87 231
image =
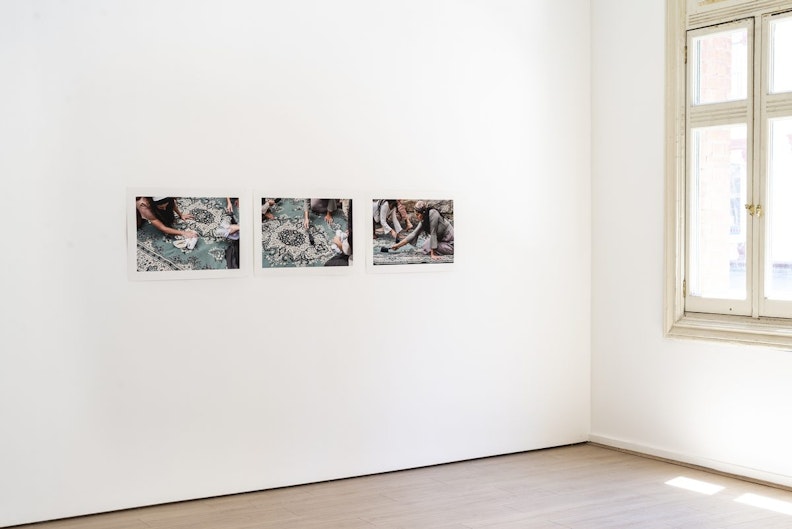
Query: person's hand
pixel 189 234
pixel 397 246
pixel 186 216
pixel 305 223
pixel 229 208
pixel 329 217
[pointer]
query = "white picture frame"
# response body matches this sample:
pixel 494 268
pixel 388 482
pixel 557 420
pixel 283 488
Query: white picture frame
pixel 153 254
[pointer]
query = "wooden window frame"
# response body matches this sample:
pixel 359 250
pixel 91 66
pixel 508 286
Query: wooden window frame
pixel 682 16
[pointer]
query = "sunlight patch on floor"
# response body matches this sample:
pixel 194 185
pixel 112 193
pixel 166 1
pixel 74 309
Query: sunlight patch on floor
pixel 695 485
pixel 763 502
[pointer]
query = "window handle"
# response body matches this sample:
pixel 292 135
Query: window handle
pixel 754 210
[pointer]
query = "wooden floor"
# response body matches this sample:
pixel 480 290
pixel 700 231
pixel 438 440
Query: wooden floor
pixel 581 486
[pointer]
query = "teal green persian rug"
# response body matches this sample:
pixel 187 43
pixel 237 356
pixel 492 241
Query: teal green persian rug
pixel 407 254
pixel 286 243
pixel 157 252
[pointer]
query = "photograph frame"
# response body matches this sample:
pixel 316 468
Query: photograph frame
pixel 210 246
pixel 407 267
pixel 317 230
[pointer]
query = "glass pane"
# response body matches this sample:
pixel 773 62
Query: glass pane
pixel 720 67
pixel 778 269
pixel 717 213
pixel 781 55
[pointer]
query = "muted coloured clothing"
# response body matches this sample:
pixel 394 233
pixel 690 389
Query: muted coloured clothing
pixel 320 205
pixel 440 237
pixel 381 211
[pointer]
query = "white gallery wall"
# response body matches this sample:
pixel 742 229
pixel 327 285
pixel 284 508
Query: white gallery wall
pixel 722 406
pixel 118 393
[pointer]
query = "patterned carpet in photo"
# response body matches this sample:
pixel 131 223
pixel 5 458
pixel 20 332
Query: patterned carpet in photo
pixel 156 251
pixel 407 254
pixel 286 243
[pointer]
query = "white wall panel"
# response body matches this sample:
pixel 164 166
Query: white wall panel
pixel 716 405
pixel 117 394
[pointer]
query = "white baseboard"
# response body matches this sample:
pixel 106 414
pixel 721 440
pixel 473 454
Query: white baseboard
pixel 748 473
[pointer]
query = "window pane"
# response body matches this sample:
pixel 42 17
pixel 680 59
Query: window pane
pixel 781 55
pixel 778 269
pixel 717 214
pixel 720 67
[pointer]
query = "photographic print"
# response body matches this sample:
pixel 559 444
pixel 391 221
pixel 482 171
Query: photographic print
pixel 306 232
pixel 412 231
pixel 186 233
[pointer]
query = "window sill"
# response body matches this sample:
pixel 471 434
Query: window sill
pixel 771 332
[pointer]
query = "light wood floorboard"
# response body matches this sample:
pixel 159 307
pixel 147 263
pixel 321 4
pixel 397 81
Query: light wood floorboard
pixel 574 487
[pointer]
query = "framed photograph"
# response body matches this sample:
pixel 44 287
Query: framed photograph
pixel 413 232
pixel 303 233
pixel 185 235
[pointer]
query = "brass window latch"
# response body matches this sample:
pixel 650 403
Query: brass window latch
pixel 754 209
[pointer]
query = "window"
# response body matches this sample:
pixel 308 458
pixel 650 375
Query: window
pixel 729 153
